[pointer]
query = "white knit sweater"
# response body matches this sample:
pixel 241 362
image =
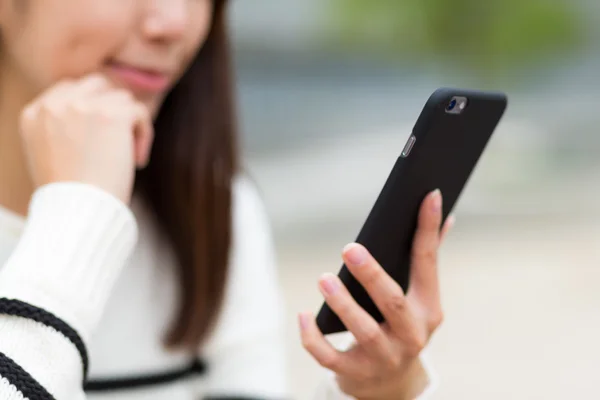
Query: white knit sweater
pixel 82 280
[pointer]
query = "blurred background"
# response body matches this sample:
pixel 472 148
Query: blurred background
pixel 329 91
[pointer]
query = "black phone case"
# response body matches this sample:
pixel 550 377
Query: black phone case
pixel 445 151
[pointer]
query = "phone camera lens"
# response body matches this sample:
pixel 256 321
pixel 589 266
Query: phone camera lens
pixel 456 105
pixel 451 105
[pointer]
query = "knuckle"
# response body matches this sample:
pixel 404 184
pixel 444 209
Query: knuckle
pixel 367 375
pixel 343 308
pixel 431 255
pixel 347 305
pixel 329 361
pixel 397 303
pixel 415 344
pixel 372 275
pixel 47 108
pixel 46 112
pixel 428 255
pixel 394 361
pixel 58 108
pixel 27 117
pixel 372 335
pixel 77 108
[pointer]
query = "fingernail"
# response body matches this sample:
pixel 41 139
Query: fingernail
pixel 303 321
pixel 437 200
pixel 329 285
pixel 355 254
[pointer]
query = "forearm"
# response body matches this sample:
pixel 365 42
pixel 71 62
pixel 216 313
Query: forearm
pixel 54 287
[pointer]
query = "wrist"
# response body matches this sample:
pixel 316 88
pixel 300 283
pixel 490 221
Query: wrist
pixel 413 383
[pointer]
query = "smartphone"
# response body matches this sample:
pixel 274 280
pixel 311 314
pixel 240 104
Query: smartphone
pixel 442 151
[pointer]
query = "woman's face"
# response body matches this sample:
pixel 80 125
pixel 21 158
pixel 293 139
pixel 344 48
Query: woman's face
pixel 142 45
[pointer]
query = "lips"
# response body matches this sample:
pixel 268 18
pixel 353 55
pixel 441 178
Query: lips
pixel 141 80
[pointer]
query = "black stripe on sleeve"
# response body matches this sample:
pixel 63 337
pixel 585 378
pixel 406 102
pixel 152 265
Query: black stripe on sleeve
pixel 18 308
pixel 197 367
pixel 20 379
pixel 222 397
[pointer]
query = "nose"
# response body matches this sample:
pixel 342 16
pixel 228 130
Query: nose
pixel 165 20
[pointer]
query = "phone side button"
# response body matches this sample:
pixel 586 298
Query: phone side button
pixel 409 145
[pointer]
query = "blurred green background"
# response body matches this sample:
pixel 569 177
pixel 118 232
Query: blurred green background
pixel 481 37
pixel 329 91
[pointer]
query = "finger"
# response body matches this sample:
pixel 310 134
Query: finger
pixel 55 96
pixel 112 103
pixel 57 91
pixel 93 83
pixel 424 277
pixel 143 135
pixel 65 90
pixel 27 117
pixel 387 295
pixel 122 101
pixel 76 93
pixel 322 351
pixel 68 90
pixel 365 329
pixel 448 225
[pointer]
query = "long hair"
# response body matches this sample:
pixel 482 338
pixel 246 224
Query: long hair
pixel 188 182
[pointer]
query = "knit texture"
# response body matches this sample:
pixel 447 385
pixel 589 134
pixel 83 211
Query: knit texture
pixel 20 309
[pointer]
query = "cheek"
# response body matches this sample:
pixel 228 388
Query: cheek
pixel 82 50
pixel 47 53
pixel 199 28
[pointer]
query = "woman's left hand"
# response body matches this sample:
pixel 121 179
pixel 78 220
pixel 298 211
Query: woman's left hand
pixel 384 362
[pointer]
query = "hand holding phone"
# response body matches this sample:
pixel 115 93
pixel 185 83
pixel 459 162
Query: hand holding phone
pixel 384 362
pixel 391 320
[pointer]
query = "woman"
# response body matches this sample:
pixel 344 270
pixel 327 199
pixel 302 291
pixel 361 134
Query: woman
pixel 174 297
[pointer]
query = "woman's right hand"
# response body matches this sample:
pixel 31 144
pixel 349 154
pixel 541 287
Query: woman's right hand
pixel 87 131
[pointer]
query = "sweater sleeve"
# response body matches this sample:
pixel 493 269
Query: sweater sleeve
pixel 54 287
pixel 246 352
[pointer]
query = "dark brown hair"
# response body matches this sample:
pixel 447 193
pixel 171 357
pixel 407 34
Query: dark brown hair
pixel 188 183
